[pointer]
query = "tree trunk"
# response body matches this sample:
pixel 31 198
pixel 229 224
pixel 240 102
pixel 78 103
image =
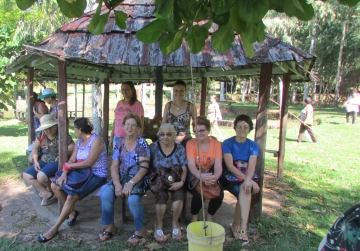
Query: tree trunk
pixel 243 91
pixel 97 108
pixel 306 91
pixel 338 74
pixel 222 91
pixel 293 99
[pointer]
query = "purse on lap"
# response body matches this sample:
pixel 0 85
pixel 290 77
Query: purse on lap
pixel 162 178
pixel 141 186
pixel 209 191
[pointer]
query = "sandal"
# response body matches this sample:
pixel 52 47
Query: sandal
pixel 46 202
pixel 243 237
pixel 136 239
pixel 159 235
pixel 72 221
pixel 176 233
pixel 105 235
pixel 42 238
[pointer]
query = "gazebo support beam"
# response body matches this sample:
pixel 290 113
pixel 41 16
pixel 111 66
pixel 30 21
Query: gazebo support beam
pixel 62 116
pixel 158 91
pixel 283 124
pixel 260 132
pixel 106 111
pixel 30 82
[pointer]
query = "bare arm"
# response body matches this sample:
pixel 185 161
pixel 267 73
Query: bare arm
pixel 42 110
pixel 165 114
pixel 192 113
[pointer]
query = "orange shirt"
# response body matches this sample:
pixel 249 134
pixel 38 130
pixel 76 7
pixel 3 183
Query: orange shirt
pixel 208 157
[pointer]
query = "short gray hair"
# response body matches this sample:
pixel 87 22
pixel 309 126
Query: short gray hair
pixel 167 125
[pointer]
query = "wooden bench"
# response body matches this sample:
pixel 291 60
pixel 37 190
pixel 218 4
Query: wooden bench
pixel 71 113
pixel 276 153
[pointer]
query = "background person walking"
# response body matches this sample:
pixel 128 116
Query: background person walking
pixel 307 118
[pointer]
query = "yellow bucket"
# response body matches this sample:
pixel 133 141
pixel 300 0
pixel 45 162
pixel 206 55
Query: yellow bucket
pixel 211 240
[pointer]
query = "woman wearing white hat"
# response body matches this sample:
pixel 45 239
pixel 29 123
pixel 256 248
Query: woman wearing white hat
pixel 45 166
pixel 49 96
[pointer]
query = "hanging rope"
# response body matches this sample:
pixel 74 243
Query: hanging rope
pixel 198 150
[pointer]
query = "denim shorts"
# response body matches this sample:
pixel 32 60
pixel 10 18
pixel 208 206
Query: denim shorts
pixel 48 168
pixel 232 186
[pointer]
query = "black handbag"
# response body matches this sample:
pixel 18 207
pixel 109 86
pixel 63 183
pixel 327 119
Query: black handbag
pixel 141 186
pixel 162 178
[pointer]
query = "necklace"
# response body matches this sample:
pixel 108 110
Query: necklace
pixel 178 107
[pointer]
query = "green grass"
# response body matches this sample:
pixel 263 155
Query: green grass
pixel 320 181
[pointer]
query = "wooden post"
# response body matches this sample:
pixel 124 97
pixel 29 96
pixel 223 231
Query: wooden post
pixel 75 94
pixel 203 96
pixel 158 91
pixel 283 123
pixel 62 112
pixel 260 133
pixel 106 112
pixel 62 116
pixel 31 129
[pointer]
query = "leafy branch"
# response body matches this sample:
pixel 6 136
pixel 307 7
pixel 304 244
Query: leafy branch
pixel 180 19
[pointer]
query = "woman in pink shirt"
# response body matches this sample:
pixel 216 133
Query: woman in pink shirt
pixel 130 103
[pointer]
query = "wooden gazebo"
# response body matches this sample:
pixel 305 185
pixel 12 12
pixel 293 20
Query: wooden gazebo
pixel 73 55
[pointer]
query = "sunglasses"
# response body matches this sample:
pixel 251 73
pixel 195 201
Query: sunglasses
pixel 168 134
pixel 200 131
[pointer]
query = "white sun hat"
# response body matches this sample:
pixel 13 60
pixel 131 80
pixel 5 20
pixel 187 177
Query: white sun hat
pixel 46 122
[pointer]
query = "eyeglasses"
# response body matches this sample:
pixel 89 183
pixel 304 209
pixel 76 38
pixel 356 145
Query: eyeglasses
pixel 200 131
pixel 242 128
pixel 168 134
pixel 131 125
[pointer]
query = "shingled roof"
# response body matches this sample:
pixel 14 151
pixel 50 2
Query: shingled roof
pixel 117 54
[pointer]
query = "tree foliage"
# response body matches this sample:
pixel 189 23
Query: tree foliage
pixel 326 30
pixel 182 19
pixel 7 82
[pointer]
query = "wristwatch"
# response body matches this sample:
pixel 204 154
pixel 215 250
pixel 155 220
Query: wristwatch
pixel 132 182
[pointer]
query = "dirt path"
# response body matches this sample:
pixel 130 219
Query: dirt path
pixel 23 218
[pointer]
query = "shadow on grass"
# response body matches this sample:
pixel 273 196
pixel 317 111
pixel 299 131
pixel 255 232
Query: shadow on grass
pixel 14 131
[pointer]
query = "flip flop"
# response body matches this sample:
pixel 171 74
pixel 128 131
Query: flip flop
pixel 243 237
pixel 159 235
pixel 136 239
pixel 47 202
pixel 106 235
pixel 43 239
pixel 176 233
pixel 72 221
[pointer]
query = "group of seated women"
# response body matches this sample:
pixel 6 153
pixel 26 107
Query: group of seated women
pixel 86 171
